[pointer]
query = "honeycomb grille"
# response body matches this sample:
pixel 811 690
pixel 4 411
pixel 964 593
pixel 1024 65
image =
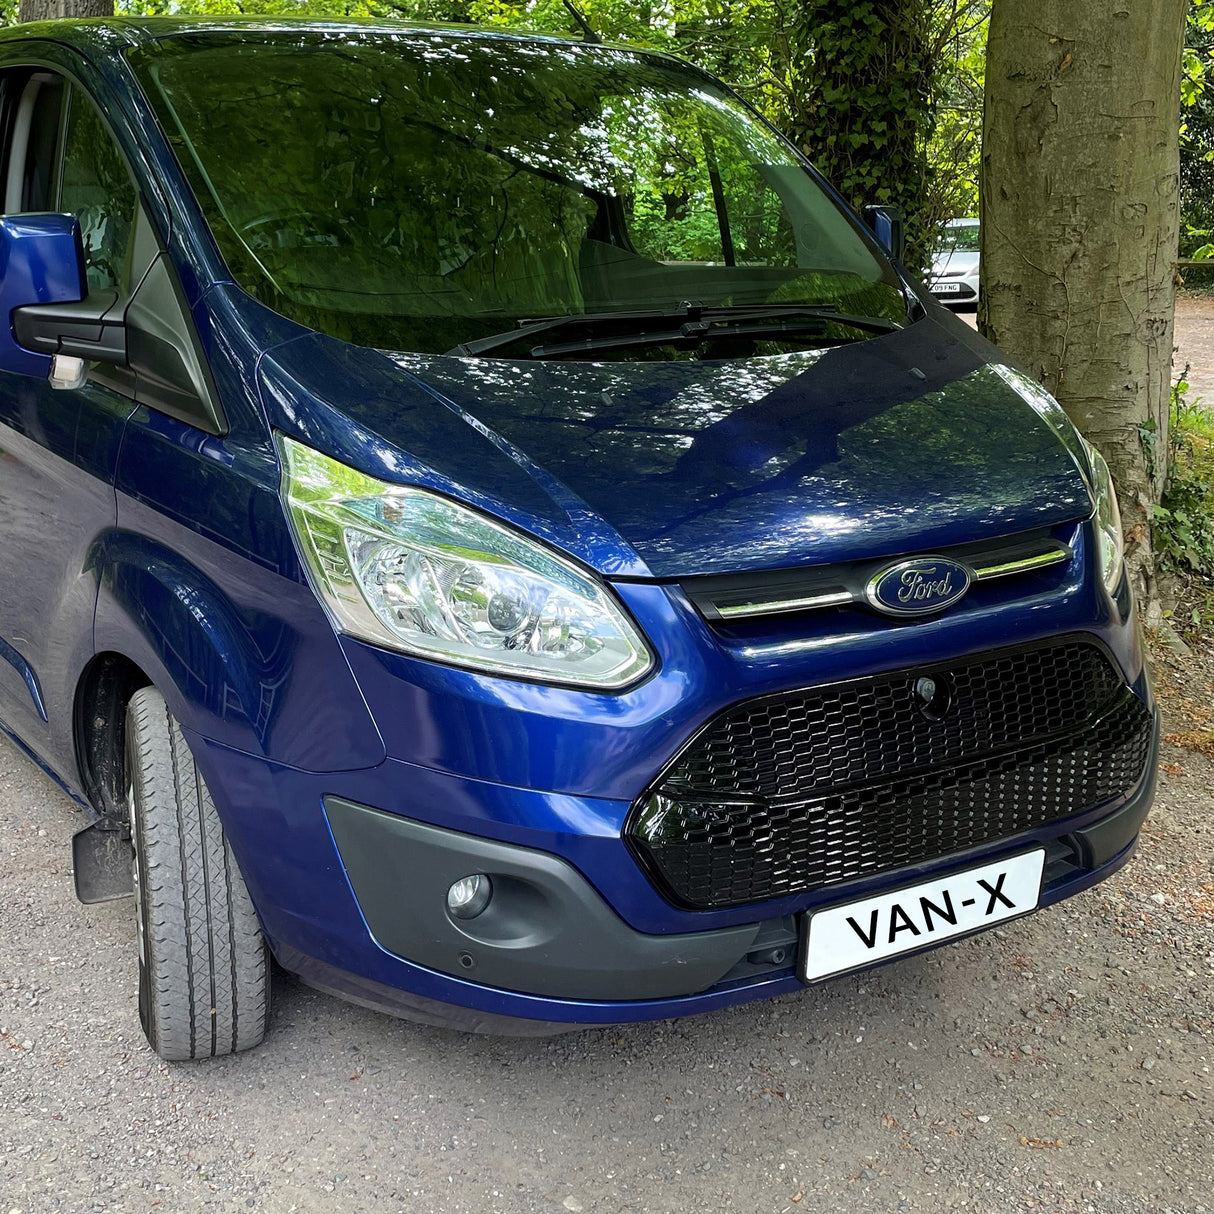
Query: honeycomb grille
pixel 794 793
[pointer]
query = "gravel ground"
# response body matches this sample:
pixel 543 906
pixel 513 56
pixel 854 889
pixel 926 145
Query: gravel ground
pixel 1060 1064
pixel 1194 337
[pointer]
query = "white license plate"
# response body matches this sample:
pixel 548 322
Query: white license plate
pixel 947 288
pixel 849 937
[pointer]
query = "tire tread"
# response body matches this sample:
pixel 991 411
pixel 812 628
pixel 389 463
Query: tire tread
pixel 206 982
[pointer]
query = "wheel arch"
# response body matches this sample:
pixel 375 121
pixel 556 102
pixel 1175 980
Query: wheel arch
pixel 259 671
pixel 103 691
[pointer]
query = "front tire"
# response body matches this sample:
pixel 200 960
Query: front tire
pixel 204 973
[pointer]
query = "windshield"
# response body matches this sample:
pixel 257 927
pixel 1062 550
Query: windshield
pixel 961 236
pixel 420 189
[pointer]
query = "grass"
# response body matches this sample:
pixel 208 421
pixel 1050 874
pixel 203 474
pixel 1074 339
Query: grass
pixel 1184 520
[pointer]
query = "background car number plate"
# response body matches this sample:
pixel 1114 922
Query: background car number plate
pixel 947 288
pixel 854 935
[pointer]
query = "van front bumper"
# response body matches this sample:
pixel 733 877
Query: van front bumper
pixel 352 894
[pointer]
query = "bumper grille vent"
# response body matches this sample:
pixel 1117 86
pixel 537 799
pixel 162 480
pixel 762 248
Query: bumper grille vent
pixel 793 793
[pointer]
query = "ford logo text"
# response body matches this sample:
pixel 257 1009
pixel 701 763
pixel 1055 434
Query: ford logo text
pixel 918 587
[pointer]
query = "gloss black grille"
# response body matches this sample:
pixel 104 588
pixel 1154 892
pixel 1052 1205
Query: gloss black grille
pixel 792 793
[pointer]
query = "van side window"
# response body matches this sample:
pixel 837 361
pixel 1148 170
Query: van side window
pixel 33 106
pixel 68 163
pixel 98 190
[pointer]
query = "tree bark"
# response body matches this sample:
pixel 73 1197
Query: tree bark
pixel 1080 220
pixel 48 10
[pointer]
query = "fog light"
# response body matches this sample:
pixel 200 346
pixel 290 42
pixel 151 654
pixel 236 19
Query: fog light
pixel 469 896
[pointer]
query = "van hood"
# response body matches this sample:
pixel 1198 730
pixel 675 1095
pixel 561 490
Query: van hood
pixel 899 444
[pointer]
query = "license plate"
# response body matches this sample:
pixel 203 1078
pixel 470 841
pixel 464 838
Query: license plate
pixel 947 288
pixel 848 937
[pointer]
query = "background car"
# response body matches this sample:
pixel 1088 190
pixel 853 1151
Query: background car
pixel 954 274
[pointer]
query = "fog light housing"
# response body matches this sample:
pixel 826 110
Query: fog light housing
pixel 469 896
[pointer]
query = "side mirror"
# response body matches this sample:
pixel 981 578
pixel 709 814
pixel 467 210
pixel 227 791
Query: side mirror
pixel 889 227
pixel 45 306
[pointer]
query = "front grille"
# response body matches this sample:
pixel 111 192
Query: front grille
pixel 800 791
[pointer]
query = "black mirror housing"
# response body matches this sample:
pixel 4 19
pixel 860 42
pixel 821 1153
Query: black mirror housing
pixel 889 226
pixel 45 299
pixel 91 329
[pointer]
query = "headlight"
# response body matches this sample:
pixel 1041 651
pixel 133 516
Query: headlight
pixel 1108 519
pixel 416 572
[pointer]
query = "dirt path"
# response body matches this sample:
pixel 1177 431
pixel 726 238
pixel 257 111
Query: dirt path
pixel 1194 340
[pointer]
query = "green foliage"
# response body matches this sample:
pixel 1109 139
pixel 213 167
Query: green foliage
pixel 1184 520
pixel 1203 252
pixel 885 96
pixel 718 34
pixel 244 8
pixel 1197 144
pixel 862 85
pixel 959 30
pixel 1197 54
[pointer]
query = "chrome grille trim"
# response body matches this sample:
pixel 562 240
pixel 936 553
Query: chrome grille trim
pixel 787 592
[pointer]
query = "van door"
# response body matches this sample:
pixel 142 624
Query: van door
pixel 58 449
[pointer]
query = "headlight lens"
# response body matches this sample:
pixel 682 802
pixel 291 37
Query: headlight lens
pixel 1108 519
pixel 412 571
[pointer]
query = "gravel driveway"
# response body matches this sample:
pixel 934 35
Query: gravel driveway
pixel 1061 1064
pixel 1194 338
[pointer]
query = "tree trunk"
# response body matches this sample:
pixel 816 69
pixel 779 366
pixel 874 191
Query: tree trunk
pixel 47 10
pixel 1080 219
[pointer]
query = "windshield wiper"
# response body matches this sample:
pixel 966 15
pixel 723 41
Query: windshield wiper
pixel 694 334
pixel 690 322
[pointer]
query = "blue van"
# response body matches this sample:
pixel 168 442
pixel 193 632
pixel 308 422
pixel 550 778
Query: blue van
pixel 484 525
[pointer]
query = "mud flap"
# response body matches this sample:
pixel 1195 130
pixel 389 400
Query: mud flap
pixel 101 862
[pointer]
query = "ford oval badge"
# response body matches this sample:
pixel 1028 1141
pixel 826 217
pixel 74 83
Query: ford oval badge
pixel 919 586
